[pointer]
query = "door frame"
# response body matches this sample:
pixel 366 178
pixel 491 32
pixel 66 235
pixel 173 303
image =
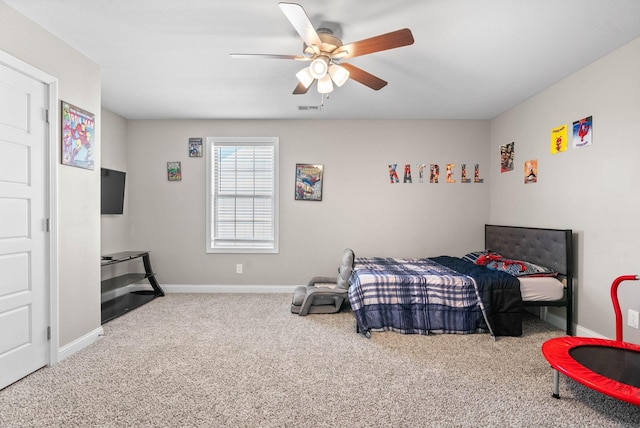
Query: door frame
pixel 52 194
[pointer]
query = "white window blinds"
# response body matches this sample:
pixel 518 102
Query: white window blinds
pixel 242 195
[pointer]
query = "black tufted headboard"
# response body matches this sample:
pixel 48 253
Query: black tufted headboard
pixel 546 247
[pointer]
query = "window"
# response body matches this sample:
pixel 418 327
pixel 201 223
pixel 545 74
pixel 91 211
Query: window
pixel 242 196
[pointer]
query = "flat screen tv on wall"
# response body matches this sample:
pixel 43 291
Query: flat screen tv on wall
pixel 112 193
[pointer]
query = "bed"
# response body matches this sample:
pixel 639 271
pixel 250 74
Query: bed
pixel 476 293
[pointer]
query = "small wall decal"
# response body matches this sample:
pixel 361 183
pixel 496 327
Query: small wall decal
pixel 450 178
pixel 393 174
pixel 463 174
pixel 476 174
pixel 434 173
pixel 407 173
pixel 421 167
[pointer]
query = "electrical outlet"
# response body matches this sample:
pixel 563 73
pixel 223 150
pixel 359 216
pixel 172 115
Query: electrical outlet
pixel 239 270
pixel 633 319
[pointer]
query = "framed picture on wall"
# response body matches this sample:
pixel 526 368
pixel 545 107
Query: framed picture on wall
pixel 174 171
pixel 78 135
pixel 195 147
pixel 308 182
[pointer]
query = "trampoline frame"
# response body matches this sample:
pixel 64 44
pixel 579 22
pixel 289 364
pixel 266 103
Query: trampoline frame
pixel 557 353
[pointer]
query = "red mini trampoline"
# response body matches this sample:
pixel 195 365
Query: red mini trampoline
pixel 611 367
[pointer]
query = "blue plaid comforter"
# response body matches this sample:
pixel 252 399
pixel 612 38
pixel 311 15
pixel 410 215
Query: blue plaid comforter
pixel 422 296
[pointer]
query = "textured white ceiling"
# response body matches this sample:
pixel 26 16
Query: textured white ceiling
pixel 472 59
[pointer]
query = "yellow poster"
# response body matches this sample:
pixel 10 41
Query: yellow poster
pixel 559 139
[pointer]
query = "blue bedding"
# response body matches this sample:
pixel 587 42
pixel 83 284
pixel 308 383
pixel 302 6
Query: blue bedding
pixel 435 295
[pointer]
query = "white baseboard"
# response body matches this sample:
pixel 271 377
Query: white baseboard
pixel 585 332
pixel 553 319
pixel 79 344
pixel 560 322
pixel 189 288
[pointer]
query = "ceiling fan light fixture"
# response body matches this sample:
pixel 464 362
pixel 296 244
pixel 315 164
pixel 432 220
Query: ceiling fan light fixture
pixel 304 76
pixel 319 67
pixel 339 74
pixel 325 85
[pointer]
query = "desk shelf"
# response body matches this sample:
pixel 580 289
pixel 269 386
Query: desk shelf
pixel 114 307
pixel 123 280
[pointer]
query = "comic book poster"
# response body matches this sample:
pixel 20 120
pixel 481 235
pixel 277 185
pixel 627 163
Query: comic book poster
pixel 78 132
pixel 559 139
pixel 195 147
pixel 507 153
pixel 531 171
pixel 308 182
pixel 582 132
pixel 174 171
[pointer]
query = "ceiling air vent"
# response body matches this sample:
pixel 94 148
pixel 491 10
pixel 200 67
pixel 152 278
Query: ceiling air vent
pixel 309 108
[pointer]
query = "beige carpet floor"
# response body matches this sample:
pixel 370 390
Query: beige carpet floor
pixel 243 360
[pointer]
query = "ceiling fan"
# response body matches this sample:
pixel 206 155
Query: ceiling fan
pixel 326 52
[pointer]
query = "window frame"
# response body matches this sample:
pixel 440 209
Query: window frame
pixel 212 142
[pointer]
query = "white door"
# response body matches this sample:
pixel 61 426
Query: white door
pixel 24 280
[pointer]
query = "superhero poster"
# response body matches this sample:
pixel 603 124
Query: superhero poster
pixel 507 155
pixel 174 171
pixel 308 182
pixel 582 132
pixel 78 132
pixel 559 139
pixel 531 171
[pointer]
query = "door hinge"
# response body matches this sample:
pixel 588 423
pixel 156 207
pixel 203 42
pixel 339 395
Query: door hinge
pixel 47 225
pixel 49 333
pixel 46 114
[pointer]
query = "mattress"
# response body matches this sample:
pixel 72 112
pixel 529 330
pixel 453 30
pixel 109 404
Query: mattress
pixel 536 289
pixel 434 295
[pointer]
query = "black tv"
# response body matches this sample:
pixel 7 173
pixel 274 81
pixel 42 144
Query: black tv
pixel 112 191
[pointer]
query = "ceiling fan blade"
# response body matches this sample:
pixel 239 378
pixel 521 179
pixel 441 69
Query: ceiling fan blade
pixel 300 21
pixel 269 56
pixel 383 42
pixel 301 89
pixel 367 79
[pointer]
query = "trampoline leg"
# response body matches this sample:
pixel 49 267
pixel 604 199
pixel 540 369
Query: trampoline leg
pixel 556 384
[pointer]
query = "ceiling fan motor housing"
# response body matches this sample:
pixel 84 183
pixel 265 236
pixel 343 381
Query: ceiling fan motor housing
pixel 329 44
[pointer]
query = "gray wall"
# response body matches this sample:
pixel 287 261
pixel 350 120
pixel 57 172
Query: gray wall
pixel 592 190
pixel 78 204
pixel 360 208
pixel 115 229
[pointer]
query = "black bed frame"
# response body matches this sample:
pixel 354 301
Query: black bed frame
pixel 546 247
